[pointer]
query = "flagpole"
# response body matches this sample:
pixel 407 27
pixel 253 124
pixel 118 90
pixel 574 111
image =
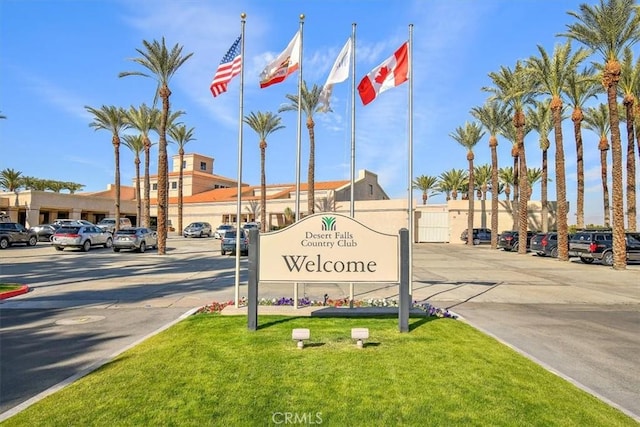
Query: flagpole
pixel 299 133
pixel 353 118
pixel 353 137
pixel 240 126
pixel 410 183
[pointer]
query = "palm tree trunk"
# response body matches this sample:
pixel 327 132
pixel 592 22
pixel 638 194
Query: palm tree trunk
pixel 180 177
pixel 311 182
pixel 116 153
pixel 543 192
pixel 523 185
pixel 561 184
pixel 163 172
pixel 611 76
pixel 631 168
pixel 577 116
pixel 605 188
pixel 493 144
pixel 138 202
pixel 263 187
pixel 147 183
pixel 471 197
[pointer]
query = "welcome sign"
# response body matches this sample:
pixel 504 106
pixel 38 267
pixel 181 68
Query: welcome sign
pixel 328 247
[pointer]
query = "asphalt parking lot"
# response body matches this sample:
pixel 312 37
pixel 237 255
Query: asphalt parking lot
pixel 579 321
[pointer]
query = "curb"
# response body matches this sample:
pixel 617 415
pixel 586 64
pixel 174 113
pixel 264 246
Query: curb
pixel 22 290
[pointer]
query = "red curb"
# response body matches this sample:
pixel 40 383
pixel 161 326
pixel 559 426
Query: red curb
pixel 22 290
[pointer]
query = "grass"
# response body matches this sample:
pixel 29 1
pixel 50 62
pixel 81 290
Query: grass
pixel 210 370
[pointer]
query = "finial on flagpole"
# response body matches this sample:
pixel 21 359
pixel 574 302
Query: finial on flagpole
pixel 243 15
pixel 302 16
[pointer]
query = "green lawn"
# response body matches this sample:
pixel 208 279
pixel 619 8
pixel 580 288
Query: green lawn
pixel 210 370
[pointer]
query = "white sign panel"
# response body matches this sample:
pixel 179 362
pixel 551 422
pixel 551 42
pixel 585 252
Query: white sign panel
pixel 328 247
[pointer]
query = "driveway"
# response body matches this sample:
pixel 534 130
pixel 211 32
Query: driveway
pixel 580 321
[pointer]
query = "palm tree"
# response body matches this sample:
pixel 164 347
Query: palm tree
pixel 144 120
pixel 534 175
pixel 2 116
pixel 428 185
pixel 608 28
pixel 482 175
pixel 112 119
pixel 597 120
pixel 452 181
pixel 264 124
pixel 517 88
pixel 468 136
pixel 11 180
pixel 629 78
pixel 253 208
pixel 494 116
pixel 310 104
pixel 551 74
pixel 540 120
pixel 163 64
pixel 579 88
pixel 181 135
pixel 136 144
pixel 73 187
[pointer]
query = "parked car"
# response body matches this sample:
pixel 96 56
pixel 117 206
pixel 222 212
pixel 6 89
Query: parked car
pixel 135 238
pixel 592 246
pixel 12 233
pixel 251 226
pixel 480 235
pixel 109 224
pixel 81 236
pixel 228 243
pixel 197 229
pixel 66 221
pixel 538 243
pixel 510 241
pixel 222 229
pixel 44 231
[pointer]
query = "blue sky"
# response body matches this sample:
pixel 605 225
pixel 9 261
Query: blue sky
pixel 58 56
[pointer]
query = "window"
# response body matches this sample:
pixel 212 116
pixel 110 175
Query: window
pixel 174 185
pixel 203 166
pixel 154 187
pixel 184 164
pixel 371 189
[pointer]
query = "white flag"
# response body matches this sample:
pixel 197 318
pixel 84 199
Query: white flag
pixel 285 63
pixel 338 74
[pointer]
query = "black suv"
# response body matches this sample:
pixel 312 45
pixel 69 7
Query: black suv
pixel 598 245
pixel 509 240
pixel 480 235
pixel 12 233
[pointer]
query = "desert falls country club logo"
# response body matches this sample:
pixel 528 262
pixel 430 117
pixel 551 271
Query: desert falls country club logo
pixel 328 237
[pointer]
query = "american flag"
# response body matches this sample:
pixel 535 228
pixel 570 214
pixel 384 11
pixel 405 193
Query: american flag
pixel 229 68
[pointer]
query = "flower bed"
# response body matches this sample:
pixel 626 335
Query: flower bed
pixel 217 307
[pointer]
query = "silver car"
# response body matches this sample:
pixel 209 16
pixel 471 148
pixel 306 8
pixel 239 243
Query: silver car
pixel 197 229
pixel 135 238
pixel 81 236
pixel 222 229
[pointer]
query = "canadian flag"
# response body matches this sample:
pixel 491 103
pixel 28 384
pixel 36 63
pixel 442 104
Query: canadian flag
pixel 391 73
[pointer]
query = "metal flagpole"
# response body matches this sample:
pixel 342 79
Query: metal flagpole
pixel 353 134
pixel 240 123
pixel 299 134
pixel 353 117
pixel 410 183
pixel 299 140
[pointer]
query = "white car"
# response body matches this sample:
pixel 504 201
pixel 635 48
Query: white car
pixel 81 236
pixel 219 233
